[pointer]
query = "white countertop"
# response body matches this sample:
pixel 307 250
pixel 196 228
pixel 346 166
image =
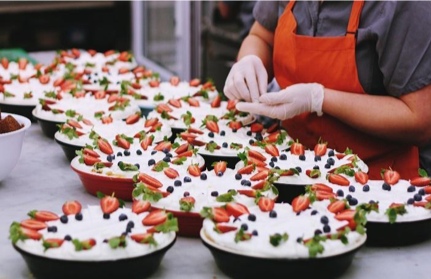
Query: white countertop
pixel 43 180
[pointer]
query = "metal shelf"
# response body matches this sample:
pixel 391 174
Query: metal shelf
pixel 29 7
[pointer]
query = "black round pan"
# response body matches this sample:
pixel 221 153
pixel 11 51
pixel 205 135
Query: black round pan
pixel 49 128
pixel 138 267
pixel 287 192
pixel 25 111
pixel 210 159
pixel 398 234
pixel 69 149
pixel 242 266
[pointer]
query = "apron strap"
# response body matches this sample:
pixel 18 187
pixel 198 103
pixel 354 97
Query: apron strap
pixel 290 5
pixel 355 15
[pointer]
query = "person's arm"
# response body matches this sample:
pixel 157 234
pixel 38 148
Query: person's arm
pixel 405 119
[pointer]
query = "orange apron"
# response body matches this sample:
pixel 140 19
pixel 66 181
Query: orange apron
pixel 331 61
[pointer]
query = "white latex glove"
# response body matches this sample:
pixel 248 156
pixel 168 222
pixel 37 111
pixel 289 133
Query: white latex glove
pixel 289 102
pixel 247 80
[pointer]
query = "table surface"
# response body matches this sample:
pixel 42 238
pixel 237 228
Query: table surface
pixel 43 179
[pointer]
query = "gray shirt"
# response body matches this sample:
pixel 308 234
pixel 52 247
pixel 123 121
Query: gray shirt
pixel 393 47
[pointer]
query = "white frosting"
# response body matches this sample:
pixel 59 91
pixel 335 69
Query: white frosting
pixel 296 226
pixel 95 226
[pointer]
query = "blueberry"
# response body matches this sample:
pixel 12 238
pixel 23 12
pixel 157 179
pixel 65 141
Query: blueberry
pixel 234 130
pixel 411 189
pixel 330 161
pixel 417 197
pixel 139 152
pixel 302 157
pixel 324 220
pixel 243 182
pixel 138 166
pixel 220 173
pixel 68 238
pixel 122 217
pixel 214 194
pixel 353 201
pixel 106 216
pixel 167 159
pixel 422 192
pixel 64 219
pixel 274 159
pixel 317 158
pixel 340 193
pixel 331 153
pixel 238 176
pixel 52 229
pixel 126 153
pixel 165 150
pixel 128 230
pixel 230 190
pixel 211 134
pixel 169 155
pixel 271 164
pixel 327 166
pixel 224 145
pixel 252 217
pixel 222 133
pixel 273 214
pixel 247 183
pixel 153 152
pixel 277 168
pixel 299 240
pixel 249 133
pixel 298 213
pixel 109 158
pixel 283 157
pixel 366 188
pixel 244 227
pixel 371 202
pixel 317 232
pixel 298 169
pixel 203 176
pixel 251 142
pixel 348 197
pixel 170 189
pixel 410 201
pixel 187 179
pixel 79 216
pixel 186 194
pixel 177 183
pixel 258 137
pixel 254 233
pixel 314 212
pixel 151 162
pixel 326 228
pixel 386 186
pixel 131 224
pixel 211 141
pixel 316 167
pixel 119 154
pixel 352 189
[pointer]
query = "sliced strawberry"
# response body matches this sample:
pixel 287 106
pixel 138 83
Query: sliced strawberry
pixel 266 204
pixel 246 170
pixel 194 170
pixel 320 149
pixel 75 52
pixel 155 127
pixel 87 122
pixel 101 94
pixel 175 103
pixel 195 82
pixel 145 178
pixel 88 244
pixel 90 152
pixel 231 104
pixel 105 147
pixel 195 131
pixel 337 206
pixel 259 176
pixel 109 52
pixel 113 98
pixel 216 102
pixel 322 195
pixel 171 173
pixel 219 167
pixel 420 181
pixel 225 228
pixel 390 176
pixel 90 160
pixel 300 203
pixel 141 237
pixel 53 242
pixel 347 215
pixel 256 128
pixel 236 209
pixel 212 126
pixel 33 224
pixel 43 79
pixel 257 155
pixel 273 137
pixel 297 149
pixel 123 143
pixel 338 179
pixel 154 83
pixel 174 81
pixel 182 148
pixel 272 150
pixel 361 177
pixel 146 142
pixel 272 128
pixel 235 125
pixel 109 204
pixel 151 122
pixel 186 136
pixel 193 102
pixel 220 215
pixel 140 206
pixel 163 145
pixel 22 63
pixel 163 107
pixel 420 204
pixel 74 124
pixel 248 193
pixel 5 63
pixel 38 66
pixel 45 216
pixel 254 161
pixel 71 207
pixel 107 119
pixel 321 187
pixel 427 189
pixel 32 234
pixel 155 217
pixel 123 70
pixel 188 153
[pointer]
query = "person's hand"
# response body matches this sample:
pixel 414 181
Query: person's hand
pixel 289 102
pixel 247 80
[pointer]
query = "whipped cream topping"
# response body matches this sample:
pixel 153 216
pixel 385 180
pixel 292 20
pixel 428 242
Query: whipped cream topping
pixel 298 227
pixel 94 226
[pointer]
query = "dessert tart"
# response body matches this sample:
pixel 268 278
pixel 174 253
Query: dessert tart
pixel 272 240
pixel 187 191
pixel 112 166
pixel 96 242
pixel 77 134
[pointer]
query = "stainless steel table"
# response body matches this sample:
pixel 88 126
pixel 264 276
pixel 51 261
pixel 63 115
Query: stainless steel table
pixel 43 180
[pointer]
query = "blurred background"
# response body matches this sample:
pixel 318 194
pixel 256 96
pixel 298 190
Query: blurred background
pixel 188 39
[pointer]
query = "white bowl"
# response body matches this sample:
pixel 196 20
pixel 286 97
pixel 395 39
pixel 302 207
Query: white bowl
pixel 11 145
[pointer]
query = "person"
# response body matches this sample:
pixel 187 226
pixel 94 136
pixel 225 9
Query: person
pixel 355 74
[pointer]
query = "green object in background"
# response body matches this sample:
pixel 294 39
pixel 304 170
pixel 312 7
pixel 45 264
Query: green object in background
pixel 13 54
